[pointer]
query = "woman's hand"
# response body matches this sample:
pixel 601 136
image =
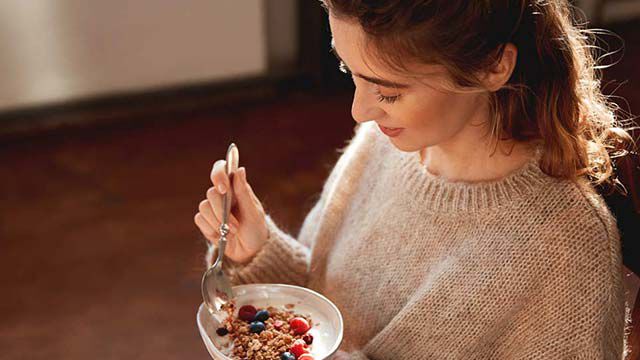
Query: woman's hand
pixel 248 227
pixel 341 355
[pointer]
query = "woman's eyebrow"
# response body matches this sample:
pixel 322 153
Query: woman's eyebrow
pixel 378 81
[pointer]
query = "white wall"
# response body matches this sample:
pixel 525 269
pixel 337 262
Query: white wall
pixel 55 50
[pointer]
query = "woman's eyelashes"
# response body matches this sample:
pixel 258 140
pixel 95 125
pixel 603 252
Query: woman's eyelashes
pixel 387 99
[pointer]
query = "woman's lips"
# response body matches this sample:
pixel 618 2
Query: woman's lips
pixel 391 132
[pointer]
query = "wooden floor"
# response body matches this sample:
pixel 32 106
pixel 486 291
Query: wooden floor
pixel 99 256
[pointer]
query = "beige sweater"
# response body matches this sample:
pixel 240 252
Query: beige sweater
pixel 527 267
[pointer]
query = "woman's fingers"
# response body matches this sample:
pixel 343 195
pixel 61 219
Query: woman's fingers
pixel 207 212
pixel 219 177
pixel 243 192
pixel 209 224
pixel 212 235
pixel 213 210
pixel 205 228
pixel 249 205
pixel 215 204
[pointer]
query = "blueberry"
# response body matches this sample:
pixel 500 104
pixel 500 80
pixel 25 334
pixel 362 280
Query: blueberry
pixel 287 356
pixel 262 315
pixel 256 327
pixel 222 331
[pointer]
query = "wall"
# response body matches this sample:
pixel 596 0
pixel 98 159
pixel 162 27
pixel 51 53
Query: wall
pixel 619 10
pixel 57 50
pixel 283 33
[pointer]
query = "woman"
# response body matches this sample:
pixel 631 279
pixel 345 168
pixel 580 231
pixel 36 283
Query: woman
pixel 461 220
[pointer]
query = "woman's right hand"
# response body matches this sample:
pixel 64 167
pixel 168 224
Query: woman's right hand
pixel 247 220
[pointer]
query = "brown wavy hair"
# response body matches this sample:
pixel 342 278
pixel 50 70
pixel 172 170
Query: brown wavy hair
pixel 553 95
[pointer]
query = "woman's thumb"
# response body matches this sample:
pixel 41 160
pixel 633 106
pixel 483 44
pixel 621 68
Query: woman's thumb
pixel 247 201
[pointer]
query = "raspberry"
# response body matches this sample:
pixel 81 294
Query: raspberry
pixel 247 313
pixel 299 325
pixel 299 347
pixel 306 357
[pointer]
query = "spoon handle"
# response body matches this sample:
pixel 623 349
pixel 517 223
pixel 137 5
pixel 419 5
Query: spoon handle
pixel 233 158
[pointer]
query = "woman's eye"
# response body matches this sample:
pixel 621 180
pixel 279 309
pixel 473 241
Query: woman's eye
pixel 387 99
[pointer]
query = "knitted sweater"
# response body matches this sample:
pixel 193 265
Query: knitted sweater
pixel 525 267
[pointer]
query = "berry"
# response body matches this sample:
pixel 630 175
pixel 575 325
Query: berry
pixel 299 347
pixel 287 356
pixel 256 327
pixel 306 357
pixel 262 315
pixel 299 325
pixel 247 313
pixel 222 331
pixel 308 338
pixel 278 324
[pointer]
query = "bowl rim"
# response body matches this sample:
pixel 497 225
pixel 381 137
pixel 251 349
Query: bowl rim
pixel 335 347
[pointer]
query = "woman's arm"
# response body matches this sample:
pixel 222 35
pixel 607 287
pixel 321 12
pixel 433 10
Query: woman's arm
pixel 342 355
pixel 579 312
pixel 283 259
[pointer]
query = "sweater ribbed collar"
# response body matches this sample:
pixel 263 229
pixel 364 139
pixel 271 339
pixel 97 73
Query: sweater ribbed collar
pixel 444 196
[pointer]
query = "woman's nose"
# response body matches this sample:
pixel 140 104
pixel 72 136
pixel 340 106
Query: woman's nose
pixel 365 107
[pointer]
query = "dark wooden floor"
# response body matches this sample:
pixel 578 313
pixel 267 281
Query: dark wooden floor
pixel 99 256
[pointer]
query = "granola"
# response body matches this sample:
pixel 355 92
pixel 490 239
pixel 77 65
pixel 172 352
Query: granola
pixel 270 333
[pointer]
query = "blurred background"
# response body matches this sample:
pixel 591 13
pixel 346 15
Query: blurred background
pixel 111 116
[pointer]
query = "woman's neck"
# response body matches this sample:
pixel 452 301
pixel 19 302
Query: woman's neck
pixel 473 157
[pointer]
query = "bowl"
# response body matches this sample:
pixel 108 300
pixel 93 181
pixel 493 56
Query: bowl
pixel 327 327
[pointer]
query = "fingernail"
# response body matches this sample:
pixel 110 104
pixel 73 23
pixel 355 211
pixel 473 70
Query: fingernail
pixel 222 189
pixel 244 174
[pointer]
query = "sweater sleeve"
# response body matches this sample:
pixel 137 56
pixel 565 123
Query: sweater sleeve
pixel 579 312
pixel 285 259
pixel 587 322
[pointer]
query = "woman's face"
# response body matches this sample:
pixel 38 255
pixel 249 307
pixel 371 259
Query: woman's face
pixel 427 114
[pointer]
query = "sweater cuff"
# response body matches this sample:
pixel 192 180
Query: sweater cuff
pixel 282 259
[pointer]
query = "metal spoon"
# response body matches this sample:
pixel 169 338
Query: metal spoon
pixel 215 286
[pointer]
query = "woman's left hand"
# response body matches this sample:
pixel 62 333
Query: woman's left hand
pixel 340 355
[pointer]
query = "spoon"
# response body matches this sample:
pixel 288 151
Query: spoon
pixel 216 288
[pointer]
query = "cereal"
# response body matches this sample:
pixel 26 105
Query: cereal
pixel 270 339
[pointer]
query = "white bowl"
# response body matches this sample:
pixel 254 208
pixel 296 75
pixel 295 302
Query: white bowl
pixel 327 324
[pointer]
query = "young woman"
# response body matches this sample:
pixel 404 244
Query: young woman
pixel 461 221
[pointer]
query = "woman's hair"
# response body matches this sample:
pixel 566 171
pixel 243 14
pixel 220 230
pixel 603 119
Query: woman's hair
pixel 553 95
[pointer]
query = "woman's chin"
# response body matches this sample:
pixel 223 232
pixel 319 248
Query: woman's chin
pixel 403 146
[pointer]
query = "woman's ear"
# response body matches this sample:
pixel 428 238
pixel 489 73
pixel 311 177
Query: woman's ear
pixel 497 76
